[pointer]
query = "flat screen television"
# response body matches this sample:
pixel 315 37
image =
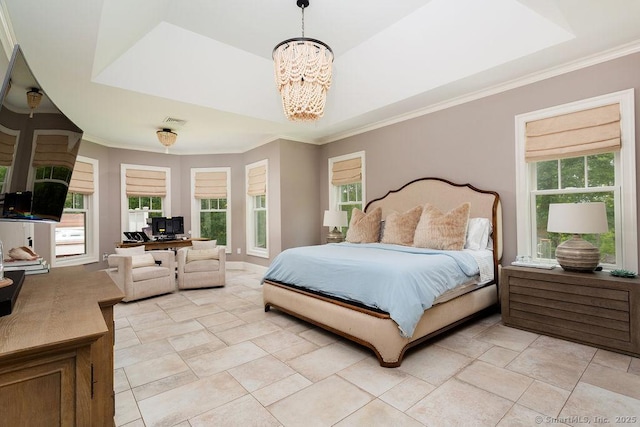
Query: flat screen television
pixel 38 148
pixel 167 227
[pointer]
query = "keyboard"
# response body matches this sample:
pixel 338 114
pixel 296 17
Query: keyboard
pixel 533 265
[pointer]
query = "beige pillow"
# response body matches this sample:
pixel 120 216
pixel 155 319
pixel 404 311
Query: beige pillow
pixel 444 231
pixel 136 250
pixel 145 260
pixel 203 244
pixel 399 228
pixel 200 254
pixel 364 227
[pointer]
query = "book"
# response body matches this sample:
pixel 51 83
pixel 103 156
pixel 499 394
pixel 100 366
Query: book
pixel 40 265
pixel 44 268
pixel 21 262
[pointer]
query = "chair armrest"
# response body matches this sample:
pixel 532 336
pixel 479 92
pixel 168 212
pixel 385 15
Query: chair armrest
pixel 166 258
pixel 181 257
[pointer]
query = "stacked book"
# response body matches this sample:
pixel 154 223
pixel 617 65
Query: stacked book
pixel 30 266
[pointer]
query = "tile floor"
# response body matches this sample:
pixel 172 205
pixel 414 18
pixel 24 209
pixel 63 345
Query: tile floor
pixel 213 357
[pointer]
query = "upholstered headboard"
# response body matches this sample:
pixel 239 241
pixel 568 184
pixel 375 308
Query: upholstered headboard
pixel 446 195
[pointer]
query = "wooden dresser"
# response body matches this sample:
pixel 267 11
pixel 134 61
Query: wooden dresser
pixel 591 308
pixel 56 351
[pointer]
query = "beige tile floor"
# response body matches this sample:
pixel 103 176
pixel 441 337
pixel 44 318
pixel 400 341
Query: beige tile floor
pixel 213 357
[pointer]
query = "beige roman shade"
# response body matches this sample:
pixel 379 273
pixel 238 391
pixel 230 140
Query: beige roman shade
pixel 257 181
pixel 347 171
pixel 7 148
pixel 211 185
pixel 146 182
pixel 82 178
pixel 55 150
pixel 582 133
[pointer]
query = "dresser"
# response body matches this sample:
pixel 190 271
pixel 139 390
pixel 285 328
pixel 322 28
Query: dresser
pixel 591 308
pixel 56 351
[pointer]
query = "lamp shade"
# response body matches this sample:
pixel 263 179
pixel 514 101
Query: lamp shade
pixel 577 218
pixel 335 219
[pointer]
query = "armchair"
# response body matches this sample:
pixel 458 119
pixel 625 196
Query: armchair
pixel 201 268
pixel 138 274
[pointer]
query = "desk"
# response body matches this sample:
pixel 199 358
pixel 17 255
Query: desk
pixel 159 244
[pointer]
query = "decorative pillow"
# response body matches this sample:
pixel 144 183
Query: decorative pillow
pixel 364 227
pixel 443 231
pixel 399 228
pixel 136 250
pixel 200 254
pixel 477 234
pixel 144 260
pixel 204 244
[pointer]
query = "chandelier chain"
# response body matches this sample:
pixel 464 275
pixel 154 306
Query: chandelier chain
pixel 302 7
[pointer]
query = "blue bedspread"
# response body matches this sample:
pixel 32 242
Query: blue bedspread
pixel 400 280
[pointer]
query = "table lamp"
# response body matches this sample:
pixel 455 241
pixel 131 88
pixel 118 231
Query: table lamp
pixel 335 219
pixel 577 254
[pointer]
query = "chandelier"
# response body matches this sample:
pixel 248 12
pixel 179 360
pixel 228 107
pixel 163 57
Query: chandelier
pixel 34 96
pixel 167 138
pixel 303 74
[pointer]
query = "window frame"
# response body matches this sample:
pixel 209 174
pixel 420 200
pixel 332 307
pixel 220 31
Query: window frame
pixel 625 176
pixel 124 199
pixel 335 191
pixel 92 225
pixel 4 187
pixel 252 249
pixel 196 206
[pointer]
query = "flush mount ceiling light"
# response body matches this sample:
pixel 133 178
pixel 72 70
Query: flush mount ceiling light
pixel 167 138
pixel 303 74
pixel 33 100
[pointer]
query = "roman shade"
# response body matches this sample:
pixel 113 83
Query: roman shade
pixel 211 185
pixel 347 171
pixel 257 181
pixel 141 182
pixel 7 148
pixel 82 178
pixel 582 133
pixel 55 150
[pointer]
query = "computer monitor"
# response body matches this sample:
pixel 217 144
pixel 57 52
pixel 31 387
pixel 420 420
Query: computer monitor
pixel 167 227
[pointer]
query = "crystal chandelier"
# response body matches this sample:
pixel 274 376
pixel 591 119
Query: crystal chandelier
pixel 303 74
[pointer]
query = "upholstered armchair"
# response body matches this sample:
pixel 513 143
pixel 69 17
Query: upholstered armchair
pixel 142 274
pixel 201 265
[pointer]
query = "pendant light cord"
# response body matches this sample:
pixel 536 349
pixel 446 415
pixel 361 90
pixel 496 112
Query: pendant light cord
pixel 302 7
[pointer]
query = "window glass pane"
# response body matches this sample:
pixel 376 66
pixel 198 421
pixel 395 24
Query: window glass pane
pixel 213 225
pixel 261 229
pixel 601 170
pixel 547 242
pixel 134 202
pixel 3 177
pixel 222 203
pixel 547 175
pixel 156 203
pixel 572 172
pixel 145 202
pixel 204 204
pixel 70 235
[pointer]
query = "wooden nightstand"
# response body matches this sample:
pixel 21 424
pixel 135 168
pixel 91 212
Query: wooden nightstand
pixel 590 308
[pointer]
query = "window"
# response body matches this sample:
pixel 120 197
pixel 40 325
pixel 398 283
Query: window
pixel 346 186
pixel 601 175
pixel 8 139
pixel 257 209
pixel 145 194
pixel 210 213
pixel 76 235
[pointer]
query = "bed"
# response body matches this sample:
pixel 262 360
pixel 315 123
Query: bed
pixel 363 319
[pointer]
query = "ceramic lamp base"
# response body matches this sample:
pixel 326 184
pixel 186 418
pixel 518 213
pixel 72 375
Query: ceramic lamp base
pixel 577 254
pixel 335 236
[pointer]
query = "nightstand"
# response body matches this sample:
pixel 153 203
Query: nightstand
pixel 590 308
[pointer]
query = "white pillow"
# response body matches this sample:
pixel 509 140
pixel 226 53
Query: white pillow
pixel 144 260
pixel 204 244
pixel 201 254
pixel 477 234
pixel 136 250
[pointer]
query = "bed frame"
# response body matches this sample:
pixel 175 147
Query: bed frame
pixel 375 329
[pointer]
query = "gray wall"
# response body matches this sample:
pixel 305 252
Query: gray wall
pixel 475 142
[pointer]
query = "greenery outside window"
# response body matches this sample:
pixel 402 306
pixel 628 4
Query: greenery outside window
pixel 213 220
